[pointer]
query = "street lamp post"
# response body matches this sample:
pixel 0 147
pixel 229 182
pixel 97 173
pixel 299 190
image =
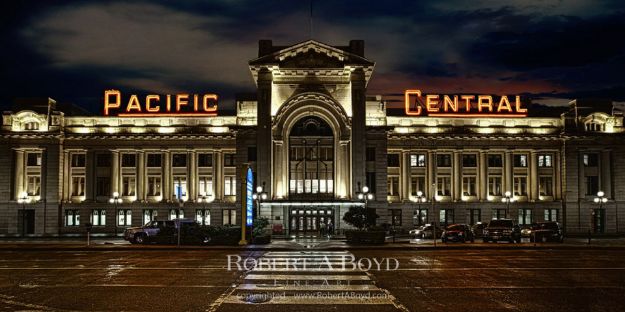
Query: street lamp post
pixel 115 200
pixel 420 198
pixel 507 199
pixel 600 199
pixel 180 205
pixel 365 196
pixel 434 213
pixel 23 199
pixel 259 196
pixel 204 200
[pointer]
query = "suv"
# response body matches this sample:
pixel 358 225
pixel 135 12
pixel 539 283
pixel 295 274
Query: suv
pixel 502 230
pixel 547 231
pixel 156 231
pixel 457 233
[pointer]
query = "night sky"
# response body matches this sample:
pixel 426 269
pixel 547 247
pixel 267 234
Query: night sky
pixel 549 51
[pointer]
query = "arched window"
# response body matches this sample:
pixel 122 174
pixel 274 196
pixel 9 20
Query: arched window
pixel 31 125
pixel 594 126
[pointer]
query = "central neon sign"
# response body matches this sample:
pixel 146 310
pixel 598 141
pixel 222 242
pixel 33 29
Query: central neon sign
pixel 182 104
pixel 436 105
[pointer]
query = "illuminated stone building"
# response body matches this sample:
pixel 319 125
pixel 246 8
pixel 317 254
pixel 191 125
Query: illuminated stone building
pixel 314 139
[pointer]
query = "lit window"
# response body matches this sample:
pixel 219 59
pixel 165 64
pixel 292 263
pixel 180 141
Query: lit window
pixel 468 186
pixel 154 186
pixel 128 185
pixel 176 214
pixel 78 186
pixel 520 160
pixel 520 186
pixel 203 216
pixel 72 217
pixel 545 186
pixel 443 186
pixel 230 187
pixel 417 160
pixel 494 186
pixel 34 185
pixel 98 217
pixel 124 217
pixel 229 216
pixel 545 160
pixel 180 187
pixel 525 216
pixel 205 185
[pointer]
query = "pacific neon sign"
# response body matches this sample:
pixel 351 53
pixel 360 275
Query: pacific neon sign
pixel 436 105
pixel 153 105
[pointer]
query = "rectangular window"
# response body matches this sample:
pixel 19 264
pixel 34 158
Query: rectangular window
pixel 469 160
pixel 129 186
pixel 395 217
pixel 129 160
pixel 525 216
pixel 545 160
pixel 370 154
pixel 176 214
pixel 33 159
pixel 443 160
pixel 475 216
pixel 417 160
pixel 103 160
pixel 591 160
pixel 149 215
pixel 421 217
pixel 205 185
pixel 34 185
pixel 180 187
pixel 545 186
pixel 179 160
pixel 98 217
pixel 417 184
pixel 204 160
pixel 443 186
pixel 520 160
pixel 78 160
pixel 124 217
pixel 592 185
pixel 154 160
pixel 103 186
pixel 78 186
pixel 393 186
pixel 499 214
pixel 72 217
pixel 393 160
pixel 154 186
pixel 446 217
pixel 469 186
pixel 203 216
pixel 251 153
pixel 229 160
pixel 494 161
pixel 494 186
pixel 551 214
pixel 520 186
pixel 229 217
pixel 370 180
pixel 230 186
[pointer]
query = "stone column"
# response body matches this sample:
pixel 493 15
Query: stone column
pixel 533 185
pixel 280 187
pixel 89 175
pixel 358 139
pixel 141 177
pixel 343 167
pixel 19 173
pixel 457 176
pixel 557 168
pixel 508 173
pixel 581 175
pixel 192 165
pixel 431 174
pixel 483 177
pixel 167 178
pixel 218 178
pixel 606 173
pixel 263 135
pixel 114 172
pixel 66 178
pixel 405 176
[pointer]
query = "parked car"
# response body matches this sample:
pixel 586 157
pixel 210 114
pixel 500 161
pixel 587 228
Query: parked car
pixel 526 230
pixel 458 233
pixel 425 231
pixel 157 231
pixel 549 231
pixel 478 229
pixel 502 230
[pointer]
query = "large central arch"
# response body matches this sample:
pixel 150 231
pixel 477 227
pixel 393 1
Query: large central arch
pixel 325 108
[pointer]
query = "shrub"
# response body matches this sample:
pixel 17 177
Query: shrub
pixel 360 217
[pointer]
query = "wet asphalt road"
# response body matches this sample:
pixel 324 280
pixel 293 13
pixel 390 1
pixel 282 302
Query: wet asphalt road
pixel 198 280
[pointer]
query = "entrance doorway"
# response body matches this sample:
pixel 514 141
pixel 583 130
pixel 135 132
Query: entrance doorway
pixel 310 221
pixel 26 221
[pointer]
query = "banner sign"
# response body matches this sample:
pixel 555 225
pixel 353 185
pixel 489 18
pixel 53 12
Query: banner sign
pixel 249 202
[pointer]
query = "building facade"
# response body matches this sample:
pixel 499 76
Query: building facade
pixel 313 139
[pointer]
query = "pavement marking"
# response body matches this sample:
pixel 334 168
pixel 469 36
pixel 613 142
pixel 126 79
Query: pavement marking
pixel 9 301
pixel 513 287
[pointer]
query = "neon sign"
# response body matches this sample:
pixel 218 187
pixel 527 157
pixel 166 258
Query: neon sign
pixel 182 104
pixel 436 105
pixel 249 203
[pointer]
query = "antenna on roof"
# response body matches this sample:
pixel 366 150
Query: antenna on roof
pixel 311 19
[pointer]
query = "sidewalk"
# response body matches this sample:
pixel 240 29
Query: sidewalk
pixel 113 244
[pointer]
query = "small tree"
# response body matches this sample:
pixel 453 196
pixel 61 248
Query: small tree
pixel 259 226
pixel 360 217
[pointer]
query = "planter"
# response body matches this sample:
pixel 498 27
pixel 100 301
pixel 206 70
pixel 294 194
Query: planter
pixel 365 237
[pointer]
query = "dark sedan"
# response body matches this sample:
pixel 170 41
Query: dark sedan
pixel 478 229
pixel 547 232
pixel 458 233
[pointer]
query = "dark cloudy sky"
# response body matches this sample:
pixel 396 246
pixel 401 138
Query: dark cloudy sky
pixel 549 50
